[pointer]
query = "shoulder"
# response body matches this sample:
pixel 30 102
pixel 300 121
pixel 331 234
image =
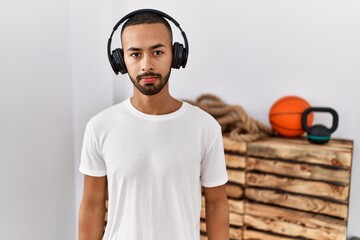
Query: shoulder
pixel 201 117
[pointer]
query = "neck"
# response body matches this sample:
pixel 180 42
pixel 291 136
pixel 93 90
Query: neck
pixel 158 104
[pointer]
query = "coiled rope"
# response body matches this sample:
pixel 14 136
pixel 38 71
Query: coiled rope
pixel 234 121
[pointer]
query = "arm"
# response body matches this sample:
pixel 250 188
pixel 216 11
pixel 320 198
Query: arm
pixel 92 208
pixel 217 213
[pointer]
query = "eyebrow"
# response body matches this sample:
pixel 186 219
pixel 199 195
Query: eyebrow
pixel 152 47
pixel 157 46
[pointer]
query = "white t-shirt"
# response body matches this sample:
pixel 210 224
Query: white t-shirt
pixel 155 167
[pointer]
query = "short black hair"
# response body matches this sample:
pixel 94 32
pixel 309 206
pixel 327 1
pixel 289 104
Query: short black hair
pixel 146 18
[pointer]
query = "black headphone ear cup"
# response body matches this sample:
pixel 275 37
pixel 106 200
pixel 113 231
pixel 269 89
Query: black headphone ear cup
pixel 178 55
pixel 113 64
pixel 119 63
pixel 184 57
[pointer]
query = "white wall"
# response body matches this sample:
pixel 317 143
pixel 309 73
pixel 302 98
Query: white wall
pixel 251 53
pixel 54 77
pixel 36 145
pixel 91 74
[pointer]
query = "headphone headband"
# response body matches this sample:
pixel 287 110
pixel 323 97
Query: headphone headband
pixel 116 58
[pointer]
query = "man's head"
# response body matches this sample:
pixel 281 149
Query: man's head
pixel 146 18
pixel 147 46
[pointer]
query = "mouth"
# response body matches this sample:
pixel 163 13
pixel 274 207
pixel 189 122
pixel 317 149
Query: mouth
pixel 149 79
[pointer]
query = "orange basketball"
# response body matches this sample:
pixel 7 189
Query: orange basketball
pixel 285 116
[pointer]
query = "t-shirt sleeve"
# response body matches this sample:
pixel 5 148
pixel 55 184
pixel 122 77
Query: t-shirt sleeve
pixel 91 162
pixel 213 166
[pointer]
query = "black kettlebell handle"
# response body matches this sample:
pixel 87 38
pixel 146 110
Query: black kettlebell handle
pixel 320 109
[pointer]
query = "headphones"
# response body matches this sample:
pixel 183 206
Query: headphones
pixel 116 57
pixel 319 133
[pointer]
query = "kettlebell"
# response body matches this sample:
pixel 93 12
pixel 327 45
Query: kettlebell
pixel 318 133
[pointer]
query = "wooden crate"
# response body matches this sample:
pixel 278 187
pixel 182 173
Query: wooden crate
pixel 287 189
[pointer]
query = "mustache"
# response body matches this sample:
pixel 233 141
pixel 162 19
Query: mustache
pixel 148 74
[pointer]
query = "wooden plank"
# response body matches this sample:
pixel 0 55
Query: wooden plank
pixel 203 226
pixel 341 143
pixel 256 235
pixel 293 223
pixel 298 202
pixel 236 233
pixel 236 206
pixel 333 143
pixel 235 161
pixel 310 153
pixel 234 191
pixel 202 213
pixel 313 188
pixel 202 237
pixel 307 171
pixel 236 219
pixel 234 146
pixel 236 176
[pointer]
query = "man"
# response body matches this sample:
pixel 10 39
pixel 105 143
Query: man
pixel 152 152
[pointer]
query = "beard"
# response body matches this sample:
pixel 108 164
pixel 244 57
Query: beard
pixel 150 89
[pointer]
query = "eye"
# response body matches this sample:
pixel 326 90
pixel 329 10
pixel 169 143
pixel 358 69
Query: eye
pixel 135 55
pixel 158 53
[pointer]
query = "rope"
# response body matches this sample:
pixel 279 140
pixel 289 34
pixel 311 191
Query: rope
pixel 234 121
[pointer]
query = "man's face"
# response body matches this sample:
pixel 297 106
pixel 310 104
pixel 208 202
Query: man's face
pixel 148 56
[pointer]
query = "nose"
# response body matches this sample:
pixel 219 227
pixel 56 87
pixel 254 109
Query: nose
pixel 147 63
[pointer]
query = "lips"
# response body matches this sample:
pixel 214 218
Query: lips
pixel 149 79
